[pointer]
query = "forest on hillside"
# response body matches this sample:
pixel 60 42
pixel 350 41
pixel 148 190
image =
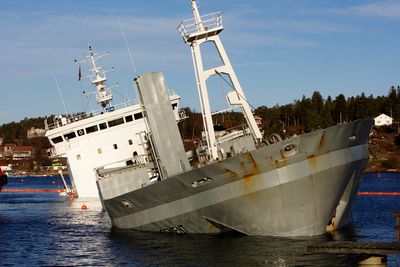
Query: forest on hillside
pixel 16 132
pixel 304 115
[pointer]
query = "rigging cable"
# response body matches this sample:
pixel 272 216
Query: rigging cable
pixel 129 50
pixel 59 91
pixel 234 89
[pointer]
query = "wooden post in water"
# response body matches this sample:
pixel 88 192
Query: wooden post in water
pixel 397 225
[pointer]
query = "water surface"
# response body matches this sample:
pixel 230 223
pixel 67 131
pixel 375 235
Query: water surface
pixel 45 229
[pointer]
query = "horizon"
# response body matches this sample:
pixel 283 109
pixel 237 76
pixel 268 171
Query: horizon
pixel 331 47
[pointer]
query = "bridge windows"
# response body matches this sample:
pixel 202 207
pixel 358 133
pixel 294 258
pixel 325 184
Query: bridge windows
pixel 91 129
pixel 115 122
pixel 138 116
pixel 69 135
pixel 57 139
pixel 103 126
pixel 128 118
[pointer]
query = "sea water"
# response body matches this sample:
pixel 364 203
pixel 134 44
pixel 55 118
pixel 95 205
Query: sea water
pixel 46 229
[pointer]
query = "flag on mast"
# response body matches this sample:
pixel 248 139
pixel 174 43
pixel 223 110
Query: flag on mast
pixel 79 73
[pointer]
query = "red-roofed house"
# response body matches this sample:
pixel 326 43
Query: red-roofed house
pixel 11 151
pixel 22 152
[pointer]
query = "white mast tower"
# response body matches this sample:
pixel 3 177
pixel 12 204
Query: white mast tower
pixel 195 32
pixel 98 78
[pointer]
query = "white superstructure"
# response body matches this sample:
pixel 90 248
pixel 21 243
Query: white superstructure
pixel 92 140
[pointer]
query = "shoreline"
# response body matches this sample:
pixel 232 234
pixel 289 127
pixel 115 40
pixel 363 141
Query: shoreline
pixel 46 174
pixel 33 173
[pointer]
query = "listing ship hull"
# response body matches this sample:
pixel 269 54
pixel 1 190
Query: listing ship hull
pixel 290 188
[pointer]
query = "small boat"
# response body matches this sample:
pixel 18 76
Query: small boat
pixel 240 182
pixel 67 190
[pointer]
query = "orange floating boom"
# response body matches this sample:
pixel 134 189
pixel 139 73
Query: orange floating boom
pixel 32 191
pixel 379 193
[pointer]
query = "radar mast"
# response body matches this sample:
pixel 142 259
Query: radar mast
pixel 98 78
pixel 195 32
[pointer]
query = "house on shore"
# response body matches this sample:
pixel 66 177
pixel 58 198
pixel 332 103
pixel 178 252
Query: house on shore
pixel 14 152
pixel 383 120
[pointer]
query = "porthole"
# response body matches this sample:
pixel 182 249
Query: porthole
pixel 289 150
pixel 127 204
pixel 201 181
pixel 80 132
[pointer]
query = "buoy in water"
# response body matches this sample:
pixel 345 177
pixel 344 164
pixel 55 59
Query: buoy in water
pixel 84 207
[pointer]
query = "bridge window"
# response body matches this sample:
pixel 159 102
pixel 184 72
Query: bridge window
pixel 128 118
pixel 70 135
pixel 103 126
pixel 57 139
pixel 115 122
pixel 91 129
pixel 138 116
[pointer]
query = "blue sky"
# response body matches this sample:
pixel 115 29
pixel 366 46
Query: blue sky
pixel 280 49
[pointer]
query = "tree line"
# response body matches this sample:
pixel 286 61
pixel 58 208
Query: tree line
pixel 304 115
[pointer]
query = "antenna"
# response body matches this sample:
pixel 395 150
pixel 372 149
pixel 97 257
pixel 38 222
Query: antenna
pixel 129 50
pixel 98 78
pixel 59 91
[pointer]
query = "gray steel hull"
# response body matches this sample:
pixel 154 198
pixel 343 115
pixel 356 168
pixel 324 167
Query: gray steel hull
pixel 290 188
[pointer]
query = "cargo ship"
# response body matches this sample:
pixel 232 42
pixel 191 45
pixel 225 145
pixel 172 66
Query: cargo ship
pixel 238 181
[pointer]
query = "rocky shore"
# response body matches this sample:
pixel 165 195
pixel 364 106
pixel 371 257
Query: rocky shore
pixel 385 154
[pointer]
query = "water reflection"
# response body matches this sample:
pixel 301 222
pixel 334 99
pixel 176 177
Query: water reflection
pixel 223 250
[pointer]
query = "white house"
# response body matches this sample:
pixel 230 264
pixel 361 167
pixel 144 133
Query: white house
pixel 35 132
pixel 383 119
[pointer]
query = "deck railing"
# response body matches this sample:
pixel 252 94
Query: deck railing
pixel 61 120
pixel 209 22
